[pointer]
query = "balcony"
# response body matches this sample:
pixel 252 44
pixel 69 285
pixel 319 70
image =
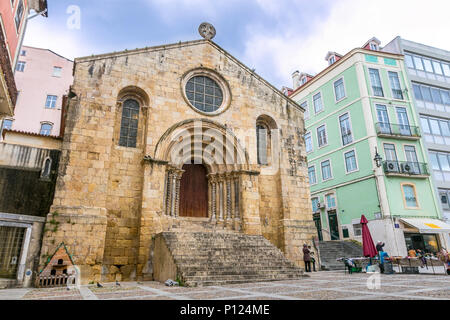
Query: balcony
pixel 397 131
pixel 8 90
pixel 406 168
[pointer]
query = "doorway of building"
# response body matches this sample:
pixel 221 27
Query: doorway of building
pixel 11 242
pixel 318 224
pixel 194 191
pixel 334 225
pixel 428 243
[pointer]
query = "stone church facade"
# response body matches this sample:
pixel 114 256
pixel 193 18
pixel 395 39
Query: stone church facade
pixel 181 137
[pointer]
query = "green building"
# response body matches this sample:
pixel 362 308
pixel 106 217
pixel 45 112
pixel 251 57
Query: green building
pixel 365 152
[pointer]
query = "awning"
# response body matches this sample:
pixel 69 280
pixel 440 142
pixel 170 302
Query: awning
pixel 428 225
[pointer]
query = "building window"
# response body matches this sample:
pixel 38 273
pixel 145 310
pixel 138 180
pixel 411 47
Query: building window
pixel 432 98
pixel 389 152
pixel 315 204
pixel 436 130
pixel 411 158
pixel 409 61
pixel 346 130
pixel 444 196
pixel 46 129
pixel 403 121
pixel 357 229
pixel 317 100
pixel 129 123
pixel 332 60
pixel 373 46
pixel 204 93
pixel 20 66
pixel 23 53
pixel 339 90
pixel 427 68
pixel 57 71
pixel 303 80
pixel 46 170
pixel 440 162
pixel 308 142
pixel 262 143
pixel 383 119
pixel 350 161
pixel 322 136
pixel 19 14
pixel 7 124
pixel 331 201
pixel 312 175
pixel 304 105
pixel 375 80
pixel 326 170
pixel 395 85
pixel 410 196
pixel 50 103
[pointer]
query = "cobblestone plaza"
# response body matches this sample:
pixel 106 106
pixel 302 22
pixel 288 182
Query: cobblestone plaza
pixel 319 286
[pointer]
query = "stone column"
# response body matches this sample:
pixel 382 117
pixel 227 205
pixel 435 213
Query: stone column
pixel 228 196
pixel 212 197
pixel 237 198
pixel 168 194
pixel 178 175
pixel 173 194
pixel 221 198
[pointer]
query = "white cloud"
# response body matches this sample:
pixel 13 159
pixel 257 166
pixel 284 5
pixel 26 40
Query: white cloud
pixel 349 24
pixel 63 41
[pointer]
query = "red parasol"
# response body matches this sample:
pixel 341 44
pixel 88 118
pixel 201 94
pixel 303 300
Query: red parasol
pixel 369 249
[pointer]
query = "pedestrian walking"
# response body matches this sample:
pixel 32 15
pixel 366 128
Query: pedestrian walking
pixel 306 258
pixel 382 256
pixel 380 246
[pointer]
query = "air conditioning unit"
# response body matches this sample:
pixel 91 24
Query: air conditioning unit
pixel 391 166
pixel 406 167
pixel 320 205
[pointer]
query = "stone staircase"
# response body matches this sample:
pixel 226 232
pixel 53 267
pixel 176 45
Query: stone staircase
pixel 331 250
pixel 216 258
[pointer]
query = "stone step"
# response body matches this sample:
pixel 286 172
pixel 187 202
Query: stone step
pixel 207 258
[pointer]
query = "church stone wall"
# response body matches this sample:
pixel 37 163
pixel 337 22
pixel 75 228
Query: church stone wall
pixel 114 199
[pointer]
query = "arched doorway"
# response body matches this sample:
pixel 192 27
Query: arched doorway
pixel 194 191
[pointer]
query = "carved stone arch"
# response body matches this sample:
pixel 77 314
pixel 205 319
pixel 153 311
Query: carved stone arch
pixel 134 92
pixel 172 139
pixel 223 187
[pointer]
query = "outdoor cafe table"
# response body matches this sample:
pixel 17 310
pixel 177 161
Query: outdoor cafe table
pixel 411 262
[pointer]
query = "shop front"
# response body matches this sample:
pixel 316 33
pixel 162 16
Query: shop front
pixel 428 235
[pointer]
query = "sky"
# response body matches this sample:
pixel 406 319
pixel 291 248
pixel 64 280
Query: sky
pixel 275 37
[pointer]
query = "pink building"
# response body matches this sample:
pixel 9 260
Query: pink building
pixel 13 22
pixel 42 80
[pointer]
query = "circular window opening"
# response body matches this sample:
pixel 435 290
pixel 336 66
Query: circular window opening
pixel 204 93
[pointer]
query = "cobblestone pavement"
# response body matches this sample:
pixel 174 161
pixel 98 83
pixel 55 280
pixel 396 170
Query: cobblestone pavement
pixel 319 286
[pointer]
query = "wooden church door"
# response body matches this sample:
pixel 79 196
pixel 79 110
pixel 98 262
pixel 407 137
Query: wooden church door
pixel 194 191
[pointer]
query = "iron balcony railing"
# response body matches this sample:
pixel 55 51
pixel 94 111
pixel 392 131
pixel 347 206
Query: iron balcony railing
pixel 397 94
pixel 385 128
pixel 377 91
pixel 406 168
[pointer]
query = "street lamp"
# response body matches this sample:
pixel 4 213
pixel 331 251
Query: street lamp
pixel 377 158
